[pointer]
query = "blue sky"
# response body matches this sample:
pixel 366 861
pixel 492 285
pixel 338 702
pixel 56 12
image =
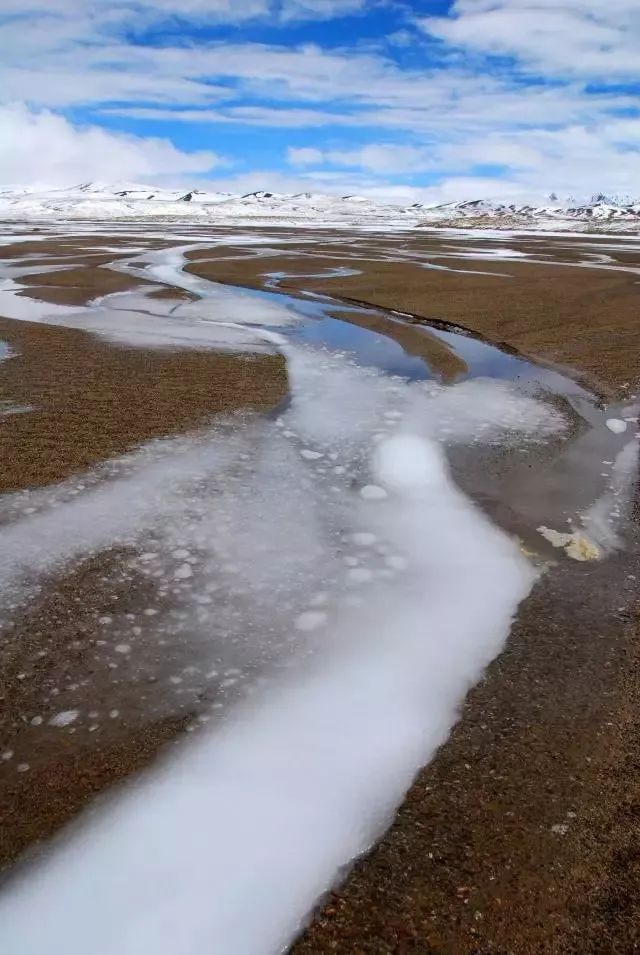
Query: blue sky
pixel 428 100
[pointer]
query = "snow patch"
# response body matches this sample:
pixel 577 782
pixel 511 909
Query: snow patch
pixel 616 425
pixel 65 718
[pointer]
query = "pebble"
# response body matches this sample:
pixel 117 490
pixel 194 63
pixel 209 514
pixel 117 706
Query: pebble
pixel 364 539
pixel 372 492
pixel 311 620
pixel 319 599
pixel 360 575
pixel 183 572
pixel 64 718
pixel 396 562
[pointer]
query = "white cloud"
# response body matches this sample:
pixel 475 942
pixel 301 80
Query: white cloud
pixel 449 104
pixel 320 9
pixel 306 156
pixel 351 182
pixel 562 37
pixel 573 160
pixel 207 9
pixel 451 115
pixel 380 158
pixel 141 11
pixel 313 87
pixel 103 14
pixel 43 147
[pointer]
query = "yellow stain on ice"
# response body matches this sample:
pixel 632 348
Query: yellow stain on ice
pixel 576 545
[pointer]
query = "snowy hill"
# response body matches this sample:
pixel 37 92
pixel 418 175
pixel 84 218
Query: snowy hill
pixel 600 211
pixel 133 201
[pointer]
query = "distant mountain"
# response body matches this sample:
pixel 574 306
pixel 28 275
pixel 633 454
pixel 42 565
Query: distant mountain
pixel 601 209
pixel 133 201
pixel 122 201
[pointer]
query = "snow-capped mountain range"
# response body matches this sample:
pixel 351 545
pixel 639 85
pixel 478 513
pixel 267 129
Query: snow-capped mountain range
pixel 599 209
pixel 132 201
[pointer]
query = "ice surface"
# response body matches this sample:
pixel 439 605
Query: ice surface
pixel 605 520
pixel 227 847
pixel 599 530
pixel 251 528
pixel 220 318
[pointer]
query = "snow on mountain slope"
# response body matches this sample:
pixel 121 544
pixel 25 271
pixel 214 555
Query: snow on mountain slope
pixel 131 201
pixel 600 210
pixel 127 201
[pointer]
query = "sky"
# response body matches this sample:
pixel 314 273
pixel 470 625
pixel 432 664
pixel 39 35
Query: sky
pixel 398 100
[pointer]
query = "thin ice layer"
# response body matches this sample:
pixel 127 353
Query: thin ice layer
pixel 227 848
